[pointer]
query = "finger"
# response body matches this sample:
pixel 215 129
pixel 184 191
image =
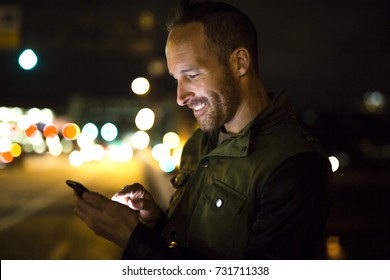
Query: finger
pixel 141 204
pixel 96 200
pixel 121 199
pixel 82 209
pixel 135 190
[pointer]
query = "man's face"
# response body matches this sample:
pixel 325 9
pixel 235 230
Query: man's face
pixel 203 84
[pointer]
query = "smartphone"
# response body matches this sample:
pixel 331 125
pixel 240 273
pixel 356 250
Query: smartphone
pixel 77 187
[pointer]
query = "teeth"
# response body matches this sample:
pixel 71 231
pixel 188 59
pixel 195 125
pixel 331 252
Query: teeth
pixel 198 107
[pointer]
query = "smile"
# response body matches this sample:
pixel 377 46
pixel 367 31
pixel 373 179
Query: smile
pixel 199 107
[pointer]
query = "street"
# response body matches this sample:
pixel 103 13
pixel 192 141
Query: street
pixel 36 206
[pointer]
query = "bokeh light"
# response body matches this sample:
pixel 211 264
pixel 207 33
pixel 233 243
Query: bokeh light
pixel 16 150
pixel 140 140
pixel 28 59
pixel 67 145
pixel 90 130
pixel 23 123
pixel 374 101
pixel 121 153
pixel 71 131
pixel 34 115
pixel 168 164
pixel 84 141
pixel 146 20
pixel 31 131
pixel 47 115
pixel 145 119
pixel 76 159
pixel 172 140
pixel 334 162
pixel 140 86
pixel 5 144
pixel 50 130
pixel 109 132
pixel 6 157
pixel 161 152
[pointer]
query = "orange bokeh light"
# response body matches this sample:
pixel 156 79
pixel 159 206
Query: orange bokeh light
pixel 31 130
pixel 6 157
pixel 50 130
pixel 71 131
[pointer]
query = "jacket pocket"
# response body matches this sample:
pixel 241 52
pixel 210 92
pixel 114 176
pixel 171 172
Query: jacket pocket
pixel 222 197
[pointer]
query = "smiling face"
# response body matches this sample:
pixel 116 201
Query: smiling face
pixel 203 84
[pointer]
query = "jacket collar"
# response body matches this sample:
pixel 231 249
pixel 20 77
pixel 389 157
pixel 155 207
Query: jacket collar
pixel 279 108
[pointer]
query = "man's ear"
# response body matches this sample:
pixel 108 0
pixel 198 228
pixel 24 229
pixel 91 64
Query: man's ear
pixel 240 61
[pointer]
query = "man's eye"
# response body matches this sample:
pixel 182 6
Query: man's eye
pixel 193 76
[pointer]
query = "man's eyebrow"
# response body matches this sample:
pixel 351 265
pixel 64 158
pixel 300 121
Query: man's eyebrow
pixel 184 71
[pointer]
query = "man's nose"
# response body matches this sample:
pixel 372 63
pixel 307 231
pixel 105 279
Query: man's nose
pixel 184 94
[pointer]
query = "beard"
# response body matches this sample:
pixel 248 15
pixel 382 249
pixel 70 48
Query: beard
pixel 222 105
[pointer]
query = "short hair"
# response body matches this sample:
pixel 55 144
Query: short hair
pixel 226 27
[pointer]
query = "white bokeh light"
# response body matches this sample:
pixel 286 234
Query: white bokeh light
pixel 140 86
pixel 109 132
pixel 145 119
pixel 28 59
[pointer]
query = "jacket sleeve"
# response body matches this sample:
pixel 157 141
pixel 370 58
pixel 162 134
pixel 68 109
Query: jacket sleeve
pixel 291 210
pixel 146 243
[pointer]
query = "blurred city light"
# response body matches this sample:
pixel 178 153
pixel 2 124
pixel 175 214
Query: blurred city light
pixel 157 67
pixel 109 132
pixel 5 144
pixel 90 130
pixel 145 119
pixel 6 157
pixel 161 152
pixel 334 163
pixel 71 131
pixel 84 141
pixel 54 145
pixel 146 20
pixel 76 159
pixel 16 150
pixel 374 101
pixel 177 153
pixel 140 86
pixel 5 129
pixel 172 140
pixel 47 115
pixel 31 130
pixel 333 248
pixel 168 164
pixel 50 130
pixel 121 153
pixel 28 59
pixel 23 123
pixel 92 152
pixel 140 140
pixel 67 145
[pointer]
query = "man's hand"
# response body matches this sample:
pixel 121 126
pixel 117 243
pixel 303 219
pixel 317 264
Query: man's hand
pixel 108 219
pixel 138 198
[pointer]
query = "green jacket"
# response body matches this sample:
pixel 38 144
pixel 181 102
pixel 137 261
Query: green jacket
pixel 220 187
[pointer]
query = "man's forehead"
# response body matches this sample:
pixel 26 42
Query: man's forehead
pixel 184 39
pixel 188 31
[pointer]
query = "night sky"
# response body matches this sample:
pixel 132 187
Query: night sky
pixel 326 54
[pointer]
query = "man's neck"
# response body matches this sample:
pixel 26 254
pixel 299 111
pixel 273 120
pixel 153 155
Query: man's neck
pixel 254 100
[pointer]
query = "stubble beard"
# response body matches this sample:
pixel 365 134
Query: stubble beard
pixel 222 106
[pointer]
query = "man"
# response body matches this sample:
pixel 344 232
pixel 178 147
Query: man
pixel 251 183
